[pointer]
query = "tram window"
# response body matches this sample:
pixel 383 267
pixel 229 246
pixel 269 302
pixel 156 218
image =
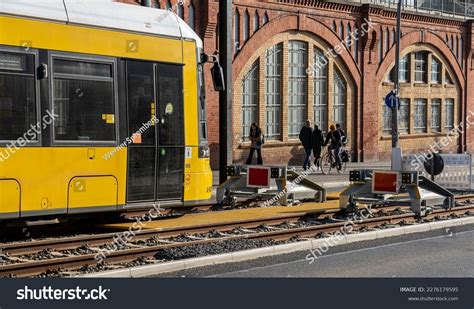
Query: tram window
pixel 141 97
pixel 83 95
pixel 170 100
pixel 17 96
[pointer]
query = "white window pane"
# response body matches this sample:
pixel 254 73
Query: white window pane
pixel 297 81
pixel 250 100
pixel 273 72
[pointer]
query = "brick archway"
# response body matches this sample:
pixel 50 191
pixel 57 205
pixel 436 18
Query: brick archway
pixel 299 23
pixel 429 38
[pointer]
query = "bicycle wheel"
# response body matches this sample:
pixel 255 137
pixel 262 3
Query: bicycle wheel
pixel 326 164
pixel 342 170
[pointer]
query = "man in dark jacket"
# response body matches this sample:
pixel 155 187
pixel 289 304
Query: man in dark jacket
pixel 306 139
pixel 333 138
pixel 318 141
pixel 342 133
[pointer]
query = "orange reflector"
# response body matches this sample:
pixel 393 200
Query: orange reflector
pixel 385 182
pixel 258 177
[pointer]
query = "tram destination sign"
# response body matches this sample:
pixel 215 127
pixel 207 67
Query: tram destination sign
pixel 12 62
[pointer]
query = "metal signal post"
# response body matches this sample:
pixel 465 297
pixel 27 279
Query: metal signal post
pixel 396 149
pixel 225 97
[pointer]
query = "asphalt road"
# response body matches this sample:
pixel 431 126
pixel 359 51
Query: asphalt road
pixel 450 255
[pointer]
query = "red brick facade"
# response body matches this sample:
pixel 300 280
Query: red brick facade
pixel 449 40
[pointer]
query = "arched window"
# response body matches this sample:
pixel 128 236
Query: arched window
pixel 297 89
pixel 249 100
pixel 340 94
pixel 320 93
pixel 191 16
pixel 334 26
pixel 236 31
pixel 461 52
pixel 386 40
pixel 265 18
pixel 256 21
pixel 393 34
pixel 246 26
pixel 273 84
pixel 180 10
pixel 341 30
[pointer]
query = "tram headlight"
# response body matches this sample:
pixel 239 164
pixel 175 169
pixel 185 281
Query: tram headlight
pixel 204 152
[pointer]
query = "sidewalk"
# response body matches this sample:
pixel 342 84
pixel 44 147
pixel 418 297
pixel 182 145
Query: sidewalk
pixel 334 178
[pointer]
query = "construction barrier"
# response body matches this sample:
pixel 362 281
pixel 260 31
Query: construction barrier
pixel 457 172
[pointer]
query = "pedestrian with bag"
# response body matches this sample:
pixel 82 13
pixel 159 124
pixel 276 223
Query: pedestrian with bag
pixel 257 140
pixel 317 141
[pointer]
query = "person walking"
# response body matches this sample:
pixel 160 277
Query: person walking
pixel 333 138
pixel 306 139
pixel 318 141
pixel 256 138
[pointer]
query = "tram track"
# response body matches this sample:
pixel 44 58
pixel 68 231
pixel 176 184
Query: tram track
pixel 24 260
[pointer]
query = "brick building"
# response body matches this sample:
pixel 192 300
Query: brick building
pixel 332 61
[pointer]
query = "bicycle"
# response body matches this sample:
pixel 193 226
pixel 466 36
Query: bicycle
pixel 328 161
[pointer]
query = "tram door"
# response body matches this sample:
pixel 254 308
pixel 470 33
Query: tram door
pixel 156 128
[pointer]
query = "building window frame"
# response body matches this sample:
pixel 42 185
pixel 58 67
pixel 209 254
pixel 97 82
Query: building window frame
pixel 420 69
pixel 436 69
pixel 320 89
pixel 420 115
pixel 449 113
pixel 273 91
pixel 250 96
pixel 339 98
pixel 435 119
pixel 297 86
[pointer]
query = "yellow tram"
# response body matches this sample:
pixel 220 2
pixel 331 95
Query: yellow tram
pixel 101 109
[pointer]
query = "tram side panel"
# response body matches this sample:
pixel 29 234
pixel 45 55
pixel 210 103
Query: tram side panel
pixel 198 174
pixel 42 178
